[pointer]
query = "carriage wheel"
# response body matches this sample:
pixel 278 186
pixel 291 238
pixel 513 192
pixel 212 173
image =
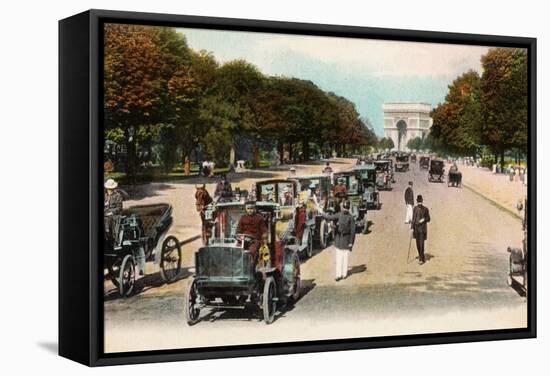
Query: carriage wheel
pixel 323 234
pixel 296 279
pixel 113 273
pixel 170 259
pixel 127 278
pixel 309 249
pixel 191 302
pixel 269 304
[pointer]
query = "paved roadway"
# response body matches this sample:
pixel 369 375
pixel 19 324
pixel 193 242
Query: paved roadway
pixel 461 287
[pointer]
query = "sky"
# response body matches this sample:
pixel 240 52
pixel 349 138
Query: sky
pixel 367 72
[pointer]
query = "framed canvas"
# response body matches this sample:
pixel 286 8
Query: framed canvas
pixel 235 187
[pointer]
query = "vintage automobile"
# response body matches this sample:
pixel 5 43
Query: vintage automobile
pixel 296 220
pixel 371 196
pixel 424 163
pixel 354 194
pixel 384 174
pixel 413 158
pixel 141 236
pixel 518 259
pixel 454 177
pixel 402 163
pixel 436 171
pixel 229 274
pixel 321 185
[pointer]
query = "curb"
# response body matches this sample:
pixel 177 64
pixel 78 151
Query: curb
pixel 493 202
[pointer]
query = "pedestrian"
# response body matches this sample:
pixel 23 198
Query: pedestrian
pixel 409 203
pixel 419 227
pixel 327 169
pixel 292 172
pixel 343 240
pixel 186 166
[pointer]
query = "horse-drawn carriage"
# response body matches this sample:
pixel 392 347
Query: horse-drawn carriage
pixel 402 163
pixel 384 174
pixel 297 221
pixel 230 273
pixel 354 194
pixel 518 259
pixel 371 196
pixel 317 202
pixel 454 177
pixel 436 171
pixel 140 235
pixel 424 162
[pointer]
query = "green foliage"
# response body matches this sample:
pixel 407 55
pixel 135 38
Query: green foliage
pixel 386 143
pixel 173 100
pixel 504 99
pixel 415 143
pixel 488 111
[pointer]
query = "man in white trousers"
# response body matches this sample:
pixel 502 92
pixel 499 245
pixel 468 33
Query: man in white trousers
pixel 409 202
pixel 344 239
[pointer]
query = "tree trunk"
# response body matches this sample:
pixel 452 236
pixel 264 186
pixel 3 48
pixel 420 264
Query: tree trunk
pixel 502 158
pixel 290 152
pixel 305 150
pixel 255 154
pixel 131 159
pixel 281 151
pixel 232 155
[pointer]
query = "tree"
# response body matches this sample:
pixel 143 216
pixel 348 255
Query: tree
pixel 504 100
pixel 386 143
pixel 415 143
pixel 230 104
pixel 457 122
pixel 147 82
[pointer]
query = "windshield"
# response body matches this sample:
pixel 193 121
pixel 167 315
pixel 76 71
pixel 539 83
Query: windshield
pixel 227 220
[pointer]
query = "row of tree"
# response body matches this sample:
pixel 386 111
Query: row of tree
pixel 161 95
pixel 487 111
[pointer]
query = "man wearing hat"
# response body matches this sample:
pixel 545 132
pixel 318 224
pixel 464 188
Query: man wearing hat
pixel 286 199
pixel 292 172
pixel 253 226
pixel 112 209
pixel 343 240
pixel 409 203
pixel 223 189
pixel 419 227
pixel 340 192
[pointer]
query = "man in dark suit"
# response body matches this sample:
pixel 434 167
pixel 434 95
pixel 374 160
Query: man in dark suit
pixel 419 227
pixel 409 202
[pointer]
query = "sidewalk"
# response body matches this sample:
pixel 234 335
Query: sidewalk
pixel 496 188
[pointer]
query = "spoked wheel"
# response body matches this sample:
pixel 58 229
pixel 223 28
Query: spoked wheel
pixel 192 311
pixel 296 282
pixel 323 234
pixel 127 276
pixel 170 259
pixel 309 249
pixel 114 274
pixel 269 304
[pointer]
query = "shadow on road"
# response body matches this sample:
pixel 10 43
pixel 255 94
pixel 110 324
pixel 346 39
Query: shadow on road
pixel 357 269
pixel 147 282
pixel 251 311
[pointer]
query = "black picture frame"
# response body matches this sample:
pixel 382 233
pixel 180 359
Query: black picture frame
pixel 80 186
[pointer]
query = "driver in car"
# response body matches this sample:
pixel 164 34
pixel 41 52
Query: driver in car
pixel 253 227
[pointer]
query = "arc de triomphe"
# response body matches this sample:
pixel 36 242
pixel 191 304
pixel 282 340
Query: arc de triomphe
pixel 404 121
